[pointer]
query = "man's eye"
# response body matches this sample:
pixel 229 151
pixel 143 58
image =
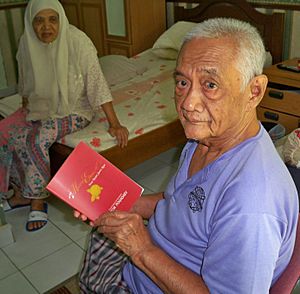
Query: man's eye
pixel 181 83
pixel 210 85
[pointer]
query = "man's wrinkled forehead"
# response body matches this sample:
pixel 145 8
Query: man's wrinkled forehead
pixel 225 43
pixel 209 54
pixel 211 71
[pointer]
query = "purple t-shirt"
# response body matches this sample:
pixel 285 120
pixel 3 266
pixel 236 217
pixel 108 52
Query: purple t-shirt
pixel 233 222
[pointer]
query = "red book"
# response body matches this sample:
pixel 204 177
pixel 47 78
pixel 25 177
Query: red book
pixel 92 185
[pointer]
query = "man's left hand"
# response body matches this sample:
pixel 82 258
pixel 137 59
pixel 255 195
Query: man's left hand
pixel 126 229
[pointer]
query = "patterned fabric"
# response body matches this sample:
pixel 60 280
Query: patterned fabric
pixel 24 150
pixel 102 267
pixel 62 290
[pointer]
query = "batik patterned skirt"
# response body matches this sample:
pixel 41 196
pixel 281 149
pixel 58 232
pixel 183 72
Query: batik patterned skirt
pixel 24 150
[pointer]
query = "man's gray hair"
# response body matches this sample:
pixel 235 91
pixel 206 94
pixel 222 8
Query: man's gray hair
pixel 250 48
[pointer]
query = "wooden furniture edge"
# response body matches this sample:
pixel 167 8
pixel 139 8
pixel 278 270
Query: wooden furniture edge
pixel 153 143
pixel 255 4
pixel 267 24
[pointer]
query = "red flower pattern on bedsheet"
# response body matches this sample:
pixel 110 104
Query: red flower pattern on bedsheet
pixel 160 106
pixel 137 90
pixel 139 131
pixel 102 119
pixel 132 92
pixel 96 142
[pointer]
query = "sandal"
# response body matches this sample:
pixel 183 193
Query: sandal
pixel 37 216
pixel 8 207
pixel 9 194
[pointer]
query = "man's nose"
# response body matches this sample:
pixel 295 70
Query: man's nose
pixel 193 100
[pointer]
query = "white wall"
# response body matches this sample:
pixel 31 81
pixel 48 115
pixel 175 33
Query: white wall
pixel 295 36
pixel 3 81
pixel 10 23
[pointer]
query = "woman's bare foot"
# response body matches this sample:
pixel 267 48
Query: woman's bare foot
pixel 17 199
pixel 38 212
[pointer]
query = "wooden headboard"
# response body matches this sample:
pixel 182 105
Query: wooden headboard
pixel 271 26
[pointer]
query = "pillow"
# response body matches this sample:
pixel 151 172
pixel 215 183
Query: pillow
pixel 168 44
pixel 291 149
pixel 10 104
pixel 119 68
pixel 269 59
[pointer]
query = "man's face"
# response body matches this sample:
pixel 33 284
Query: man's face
pixel 208 93
pixel 46 25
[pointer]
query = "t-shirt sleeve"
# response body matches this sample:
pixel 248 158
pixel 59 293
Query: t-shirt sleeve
pixel 237 245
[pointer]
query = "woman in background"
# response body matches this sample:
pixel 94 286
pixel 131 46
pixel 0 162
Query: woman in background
pixel 62 86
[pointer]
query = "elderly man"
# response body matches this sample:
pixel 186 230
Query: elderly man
pixel 226 222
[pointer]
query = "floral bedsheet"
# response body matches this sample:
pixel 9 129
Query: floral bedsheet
pixel 142 104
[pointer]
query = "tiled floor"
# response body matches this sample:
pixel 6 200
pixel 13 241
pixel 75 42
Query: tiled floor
pixel 40 261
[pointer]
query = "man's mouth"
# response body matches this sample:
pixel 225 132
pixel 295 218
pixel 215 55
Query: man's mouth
pixel 195 120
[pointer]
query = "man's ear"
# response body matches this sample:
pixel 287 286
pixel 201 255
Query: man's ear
pixel 258 87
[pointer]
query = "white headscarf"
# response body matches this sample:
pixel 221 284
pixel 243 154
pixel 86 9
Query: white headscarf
pixel 45 65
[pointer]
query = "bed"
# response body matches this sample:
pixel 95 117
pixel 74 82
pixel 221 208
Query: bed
pixel 145 102
pixel 271 26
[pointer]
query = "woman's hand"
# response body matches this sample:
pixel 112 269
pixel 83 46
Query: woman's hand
pixel 126 229
pixel 121 133
pixel 115 128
